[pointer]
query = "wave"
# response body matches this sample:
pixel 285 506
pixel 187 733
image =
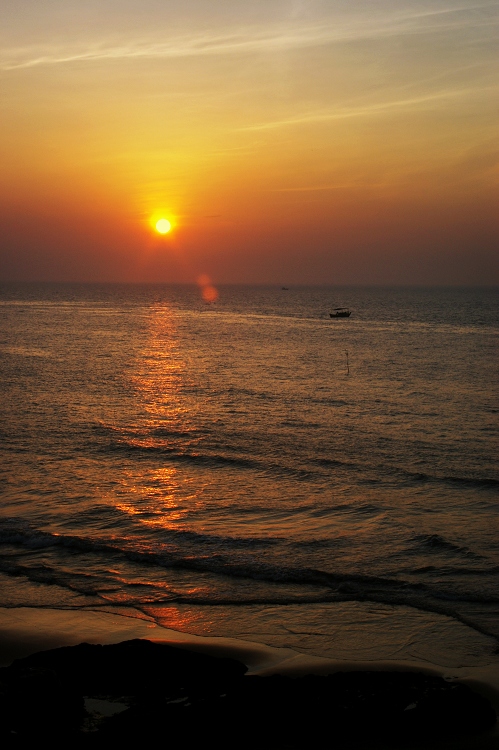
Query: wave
pixel 421 477
pixel 189 549
pixel 272 583
pixel 244 451
pixel 335 588
pixel 225 541
pixel 146 432
pixel 181 454
pixel 442 571
pixel 472 482
pixel 436 543
pixel 184 455
pixel 22 534
pixel 312 469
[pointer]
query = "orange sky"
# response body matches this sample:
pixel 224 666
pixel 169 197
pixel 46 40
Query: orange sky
pixel 292 141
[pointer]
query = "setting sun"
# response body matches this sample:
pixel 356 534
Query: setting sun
pixel 163 226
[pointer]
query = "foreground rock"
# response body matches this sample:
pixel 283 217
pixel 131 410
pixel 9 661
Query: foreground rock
pixel 138 691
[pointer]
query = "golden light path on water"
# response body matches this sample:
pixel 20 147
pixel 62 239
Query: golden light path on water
pixel 156 495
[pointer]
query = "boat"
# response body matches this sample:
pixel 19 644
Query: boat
pixel 340 312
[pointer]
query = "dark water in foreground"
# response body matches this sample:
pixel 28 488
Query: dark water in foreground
pixel 228 469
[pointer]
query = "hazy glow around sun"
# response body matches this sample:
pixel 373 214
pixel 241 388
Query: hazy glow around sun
pixel 163 226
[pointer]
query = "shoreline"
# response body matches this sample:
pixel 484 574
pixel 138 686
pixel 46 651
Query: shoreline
pixel 27 630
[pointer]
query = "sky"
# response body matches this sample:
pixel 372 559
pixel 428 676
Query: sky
pixel 285 141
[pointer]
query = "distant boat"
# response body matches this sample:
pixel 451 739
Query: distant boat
pixel 284 288
pixel 340 312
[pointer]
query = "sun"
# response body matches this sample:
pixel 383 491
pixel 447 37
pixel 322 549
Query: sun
pixel 163 226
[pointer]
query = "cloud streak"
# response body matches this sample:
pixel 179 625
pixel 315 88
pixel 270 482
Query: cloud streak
pixel 371 109
pixel 253 40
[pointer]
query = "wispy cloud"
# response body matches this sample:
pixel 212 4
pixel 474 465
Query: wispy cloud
pixel 250 40
pixel 366 110
pixel 326 188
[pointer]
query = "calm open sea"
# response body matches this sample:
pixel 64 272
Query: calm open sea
pixel 253 468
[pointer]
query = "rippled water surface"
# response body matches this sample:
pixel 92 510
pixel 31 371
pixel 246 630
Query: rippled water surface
pixel 253 468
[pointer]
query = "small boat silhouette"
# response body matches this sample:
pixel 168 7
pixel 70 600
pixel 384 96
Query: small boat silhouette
pixel 340 312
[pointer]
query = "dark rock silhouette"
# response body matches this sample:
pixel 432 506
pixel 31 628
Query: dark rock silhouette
pixel 149 692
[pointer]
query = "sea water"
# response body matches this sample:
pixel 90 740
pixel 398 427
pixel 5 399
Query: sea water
pixel 254 468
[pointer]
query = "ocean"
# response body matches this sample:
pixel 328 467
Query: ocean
pixel 253 468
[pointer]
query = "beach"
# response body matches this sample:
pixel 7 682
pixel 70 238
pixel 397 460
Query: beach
pixel 25 632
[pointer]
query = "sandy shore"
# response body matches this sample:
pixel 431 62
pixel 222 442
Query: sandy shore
pixel 25 631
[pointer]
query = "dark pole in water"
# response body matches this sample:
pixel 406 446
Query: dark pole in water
pixel 348 366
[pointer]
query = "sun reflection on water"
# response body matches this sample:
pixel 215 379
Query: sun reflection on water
pixel 183 619
pixel 158 495
pixel 154 496
pixel 160 369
